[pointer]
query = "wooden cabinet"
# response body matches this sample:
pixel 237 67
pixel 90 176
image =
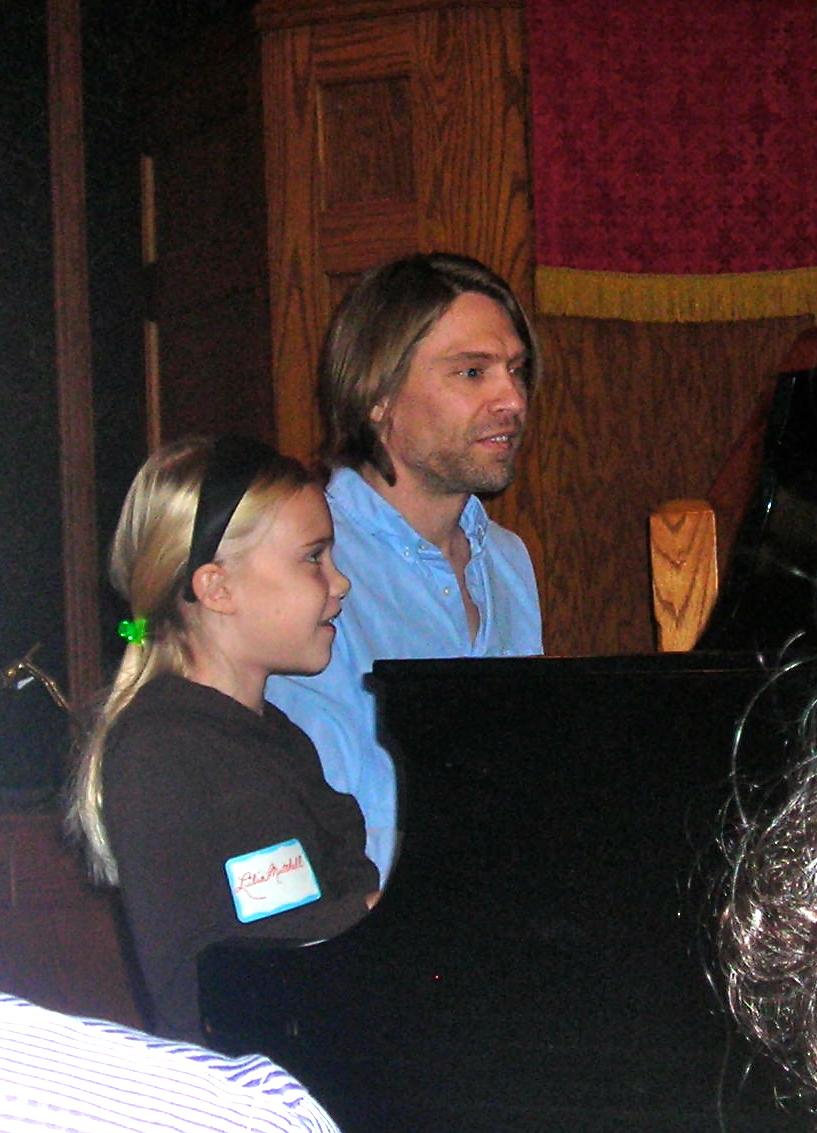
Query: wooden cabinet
pixel 396 128
pixel 293 150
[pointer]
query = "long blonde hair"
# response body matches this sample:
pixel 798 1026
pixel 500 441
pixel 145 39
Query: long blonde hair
pixel 148 568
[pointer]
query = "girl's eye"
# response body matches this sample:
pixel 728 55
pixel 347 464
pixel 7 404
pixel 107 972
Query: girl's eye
pixel 314 556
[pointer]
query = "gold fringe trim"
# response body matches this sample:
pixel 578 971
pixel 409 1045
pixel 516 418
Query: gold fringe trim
pixel 646 298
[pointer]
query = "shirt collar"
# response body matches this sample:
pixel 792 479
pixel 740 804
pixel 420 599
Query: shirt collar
pixel 350 492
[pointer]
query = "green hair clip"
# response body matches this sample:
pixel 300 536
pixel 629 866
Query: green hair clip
pixel 133 632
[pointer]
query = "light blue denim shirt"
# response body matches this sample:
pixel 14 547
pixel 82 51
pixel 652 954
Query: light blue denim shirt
pixel 404 603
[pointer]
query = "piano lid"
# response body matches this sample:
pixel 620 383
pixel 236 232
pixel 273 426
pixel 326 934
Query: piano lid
pixel 769 592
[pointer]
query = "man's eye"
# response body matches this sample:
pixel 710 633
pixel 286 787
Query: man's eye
pixel 472 372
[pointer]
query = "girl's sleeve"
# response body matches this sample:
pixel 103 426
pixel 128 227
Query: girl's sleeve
pixel 172 842
pixel 342 820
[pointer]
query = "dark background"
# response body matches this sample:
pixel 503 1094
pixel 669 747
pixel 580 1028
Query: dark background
pixel 122 44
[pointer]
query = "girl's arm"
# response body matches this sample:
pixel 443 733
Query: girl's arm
pixel 180 804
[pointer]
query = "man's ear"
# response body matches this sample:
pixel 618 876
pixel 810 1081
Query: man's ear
pixel 211 585
pixel 377 414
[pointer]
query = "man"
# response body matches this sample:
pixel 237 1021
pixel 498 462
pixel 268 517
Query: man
pixel 65 1074
pixel 425 379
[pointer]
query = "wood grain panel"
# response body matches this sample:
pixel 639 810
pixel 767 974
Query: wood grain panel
pixel 366 141
pixel 684 569
pixel 275 14
pixel 352 239
pixel 473 182
pixel 633 415
pixel 72 329
pixel 59 942
pixel 354 50
pixel 365 162
pixel 298 294
pixel 335 210
pixel 339 284
pixel 473 187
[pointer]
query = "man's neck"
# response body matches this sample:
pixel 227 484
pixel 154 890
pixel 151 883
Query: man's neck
pixel 435 517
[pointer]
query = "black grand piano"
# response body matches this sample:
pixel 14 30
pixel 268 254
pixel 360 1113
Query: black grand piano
pixel 537 962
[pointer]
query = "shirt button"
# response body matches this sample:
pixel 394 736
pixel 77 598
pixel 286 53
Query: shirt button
pixel 406 553
pixel 446 590
pixel 421 546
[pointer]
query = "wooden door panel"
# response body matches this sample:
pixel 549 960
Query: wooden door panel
pixel 341 188
pixel 400 134
pixel 366 141
pixel 351 240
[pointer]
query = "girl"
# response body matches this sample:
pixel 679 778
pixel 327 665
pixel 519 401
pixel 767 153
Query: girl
pixel 207 807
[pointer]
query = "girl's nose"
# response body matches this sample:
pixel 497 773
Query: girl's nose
pixel 340 584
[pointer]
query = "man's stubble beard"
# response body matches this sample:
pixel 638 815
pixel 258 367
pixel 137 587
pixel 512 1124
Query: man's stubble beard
pixel 448 474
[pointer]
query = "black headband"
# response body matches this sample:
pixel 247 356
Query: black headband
pixel 233 465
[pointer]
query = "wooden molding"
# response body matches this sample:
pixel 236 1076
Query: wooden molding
pixel 273 14
pixel 683 554
pixel 73 349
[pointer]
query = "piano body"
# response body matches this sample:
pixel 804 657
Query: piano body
pixel 771 593
pixel 537 962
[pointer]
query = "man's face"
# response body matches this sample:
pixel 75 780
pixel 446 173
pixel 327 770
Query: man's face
pixel 456 424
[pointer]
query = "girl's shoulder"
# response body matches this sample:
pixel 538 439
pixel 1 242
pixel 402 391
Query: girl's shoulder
pixel 168 710
pixel 175 734
pixel 160 701
pixel 173 708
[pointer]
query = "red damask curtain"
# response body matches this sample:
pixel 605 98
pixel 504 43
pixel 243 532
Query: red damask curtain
pixel 675 157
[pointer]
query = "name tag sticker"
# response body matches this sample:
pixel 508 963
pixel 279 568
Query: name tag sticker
pixel 270 881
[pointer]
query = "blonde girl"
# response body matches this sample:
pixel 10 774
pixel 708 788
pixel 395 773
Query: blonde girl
pixel 206 806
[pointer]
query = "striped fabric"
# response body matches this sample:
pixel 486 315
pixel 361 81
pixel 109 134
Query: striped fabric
pixel 62 1073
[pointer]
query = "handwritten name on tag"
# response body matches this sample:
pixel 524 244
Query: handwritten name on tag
pixel 270 881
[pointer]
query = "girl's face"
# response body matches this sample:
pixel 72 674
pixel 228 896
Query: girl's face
pixel 287 590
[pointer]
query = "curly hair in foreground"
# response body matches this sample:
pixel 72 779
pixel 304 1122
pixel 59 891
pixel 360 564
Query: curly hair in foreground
pixel 767 923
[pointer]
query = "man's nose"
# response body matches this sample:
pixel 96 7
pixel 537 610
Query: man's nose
pixel 510 394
